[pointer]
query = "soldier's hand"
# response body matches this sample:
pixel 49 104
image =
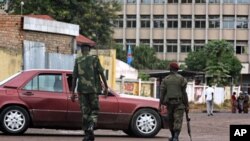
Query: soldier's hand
pixel 187 109
pixel 161 107
pixel 73 97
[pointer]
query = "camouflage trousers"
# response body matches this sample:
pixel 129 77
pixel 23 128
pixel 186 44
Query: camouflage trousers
pixel 89 106
pixel 175 114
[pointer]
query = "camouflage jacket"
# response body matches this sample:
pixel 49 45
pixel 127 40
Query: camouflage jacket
pixel 87 70
pixel 173 86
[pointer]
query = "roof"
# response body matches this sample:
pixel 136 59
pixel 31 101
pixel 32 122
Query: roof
pixel 81 40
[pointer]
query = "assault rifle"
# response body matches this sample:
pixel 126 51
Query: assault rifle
pixel 188 125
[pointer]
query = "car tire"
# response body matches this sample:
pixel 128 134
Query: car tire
pixel 14 120
pixel 146 123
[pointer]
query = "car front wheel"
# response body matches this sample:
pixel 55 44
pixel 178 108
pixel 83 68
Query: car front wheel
pixel 146 123
pixel 14 120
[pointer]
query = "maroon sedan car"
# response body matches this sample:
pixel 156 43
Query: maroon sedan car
pixel 41 99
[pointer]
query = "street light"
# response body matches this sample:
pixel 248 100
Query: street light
pixel 22 3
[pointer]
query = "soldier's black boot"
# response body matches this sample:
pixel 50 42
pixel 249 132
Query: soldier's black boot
pixel 86 137
pixel 176 135
pixel 172 135
pixel 91 132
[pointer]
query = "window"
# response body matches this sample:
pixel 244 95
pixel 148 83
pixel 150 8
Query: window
pixel 171 45
pixel 213 1
pixel 158 21
pixel 200 21
pixel 119 22
pixel 130 42
pixel 145 1
pixel 172 21
pixel 242 22
pixel 159 1
pixel 120 1
pixel 228 1
pixel 241 47
pixel 158 45
pixel 185 46
pixel 186 21
pixel 172 1
pixel 244 1
pixel 186 1
pixel 200 1
pixel 198 44
pixel 119 41
pixel 131 21
pixel 131 1
pixel 46 82
pixel 145 21
pixel 228 22
pixel 145 42
pixel 214 21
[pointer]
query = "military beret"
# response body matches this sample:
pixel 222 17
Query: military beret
pixel 174 65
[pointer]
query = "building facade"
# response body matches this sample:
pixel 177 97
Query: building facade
pixel 176 27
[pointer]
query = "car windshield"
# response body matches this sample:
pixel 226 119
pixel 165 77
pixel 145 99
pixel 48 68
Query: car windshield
pixel 9 78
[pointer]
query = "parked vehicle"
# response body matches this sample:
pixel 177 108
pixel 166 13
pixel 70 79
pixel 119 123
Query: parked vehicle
pixel 41 99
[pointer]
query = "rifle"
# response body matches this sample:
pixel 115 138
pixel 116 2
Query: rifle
pixel 188 125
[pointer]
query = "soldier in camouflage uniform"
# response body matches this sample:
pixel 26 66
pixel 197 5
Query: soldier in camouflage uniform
pixel 88 71
pixel 174 96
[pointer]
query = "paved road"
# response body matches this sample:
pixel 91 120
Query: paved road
pixel 204 128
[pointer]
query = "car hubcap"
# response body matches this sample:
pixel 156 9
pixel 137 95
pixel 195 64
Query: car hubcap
pixel 146 123
pixel 14 120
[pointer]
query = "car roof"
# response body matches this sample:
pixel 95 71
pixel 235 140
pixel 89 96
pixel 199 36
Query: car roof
pixel 26 74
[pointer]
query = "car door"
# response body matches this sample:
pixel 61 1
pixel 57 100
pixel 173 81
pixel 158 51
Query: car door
pixel 108 109
pixel 44 93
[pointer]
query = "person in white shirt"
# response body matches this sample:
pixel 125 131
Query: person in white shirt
pixel 209 96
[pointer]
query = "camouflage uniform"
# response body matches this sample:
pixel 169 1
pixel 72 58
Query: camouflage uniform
pixel 174 96
pixel 87 70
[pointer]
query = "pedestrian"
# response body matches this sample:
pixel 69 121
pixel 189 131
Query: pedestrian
pixel 88 73
pixel 245 103
pixel 209 97
pixel 240 101
pixel 234 102
pixel 174 96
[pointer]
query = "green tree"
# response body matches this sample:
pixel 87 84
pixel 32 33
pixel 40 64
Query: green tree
pixel 217 60
pixel 94 16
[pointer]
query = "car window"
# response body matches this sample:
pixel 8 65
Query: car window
pixel 46 82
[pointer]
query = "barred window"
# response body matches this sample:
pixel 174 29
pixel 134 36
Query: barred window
pixel 186 1
pixel 130 42
pixel 214 21
pixel 241 47
pixel 186 21
pixel 159 1
pixel 172 21
pixel 185 46
pixel 145 21
pixel 158 45
pixel 200 1
pixel 145 1
pixel 172 1
pixel 199 44
pixel 228 22
pixel 145 42
pixel 244 1
pixel 131 1
pixel 242 22
pixel 171 45
pixel 158 21
pixel 213 1
pixel 119 22
pixel 131 21
pixel 200 21
pixel 228 1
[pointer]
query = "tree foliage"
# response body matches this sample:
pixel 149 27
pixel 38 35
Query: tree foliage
pixel 217 59
pixel 94 16
pixel 144 57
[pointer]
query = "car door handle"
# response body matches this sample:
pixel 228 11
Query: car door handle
pixel 28 93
